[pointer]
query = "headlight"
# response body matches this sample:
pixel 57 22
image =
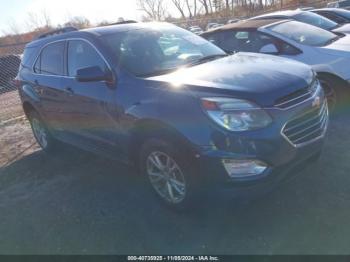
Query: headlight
pixel 235 114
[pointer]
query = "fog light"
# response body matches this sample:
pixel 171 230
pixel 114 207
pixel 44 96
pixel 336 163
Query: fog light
pixel 244 168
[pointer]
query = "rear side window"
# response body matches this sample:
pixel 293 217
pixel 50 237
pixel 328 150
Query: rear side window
pixel 81 55
pixel 51 60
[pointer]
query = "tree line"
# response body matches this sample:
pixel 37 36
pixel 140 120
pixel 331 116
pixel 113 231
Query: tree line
pixel 189 9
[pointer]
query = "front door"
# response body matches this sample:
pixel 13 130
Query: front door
pixel 94 118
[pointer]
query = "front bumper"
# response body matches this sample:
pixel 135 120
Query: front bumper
pixel 215 174
pixel 270 146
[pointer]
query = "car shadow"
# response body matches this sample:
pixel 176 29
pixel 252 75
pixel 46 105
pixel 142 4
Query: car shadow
pixel 74 202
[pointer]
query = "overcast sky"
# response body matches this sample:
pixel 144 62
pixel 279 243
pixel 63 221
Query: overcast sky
pixel 16 11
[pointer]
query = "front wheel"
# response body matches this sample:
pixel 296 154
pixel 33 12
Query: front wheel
pixel 336 94
pixel 169 173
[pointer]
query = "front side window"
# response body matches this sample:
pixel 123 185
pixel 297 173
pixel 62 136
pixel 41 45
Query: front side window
pixel 316 20
pixel 333 17
pixel 303 33
pixel 153 51
pixel 81 55
pixel 51 60
pixel 344 13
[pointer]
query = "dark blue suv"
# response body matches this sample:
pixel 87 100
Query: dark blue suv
pixel 188 115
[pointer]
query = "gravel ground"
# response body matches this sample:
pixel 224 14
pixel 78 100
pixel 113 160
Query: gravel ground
pixel 77 203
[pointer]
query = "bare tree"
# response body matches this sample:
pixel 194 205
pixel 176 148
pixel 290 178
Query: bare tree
pixel 37 21
pixel 78 22
pixel 205 4
pixel 179 4
pixel 13 28
pixel 154 9
pixel 189 8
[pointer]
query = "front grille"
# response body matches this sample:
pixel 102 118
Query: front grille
pixel 308 126
pixel 297 97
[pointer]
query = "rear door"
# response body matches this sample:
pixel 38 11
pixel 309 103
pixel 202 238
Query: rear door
pixel 49 70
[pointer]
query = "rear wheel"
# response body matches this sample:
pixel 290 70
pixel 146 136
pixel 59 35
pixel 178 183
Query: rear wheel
pixel 41 132
pixel 169 173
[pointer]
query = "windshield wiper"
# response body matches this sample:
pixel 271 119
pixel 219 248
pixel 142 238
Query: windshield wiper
pixel 158 72
pixel 206 59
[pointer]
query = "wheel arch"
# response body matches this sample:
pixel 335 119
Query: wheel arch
pixel 150 128
pixel 337 79
pixel 28 107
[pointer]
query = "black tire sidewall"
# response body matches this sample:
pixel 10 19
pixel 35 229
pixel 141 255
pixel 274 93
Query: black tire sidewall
pixel 341 94
pixel 50 141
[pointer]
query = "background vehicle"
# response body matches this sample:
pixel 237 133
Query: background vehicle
pixel 327 53
pixel 338 15
pixel 308 18
pixel 232 21
pixel 212 25
pixel 339 4
pixel 196 30
pixel 117 91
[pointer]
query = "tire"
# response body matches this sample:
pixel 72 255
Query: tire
pixel 169 174
pixel 41 133
pixel 337 95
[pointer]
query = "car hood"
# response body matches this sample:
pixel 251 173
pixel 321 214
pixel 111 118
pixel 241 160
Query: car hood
pixel 343 29
pixel 256 77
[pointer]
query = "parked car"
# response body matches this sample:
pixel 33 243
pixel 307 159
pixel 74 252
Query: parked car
pixel 338 15
pixel 308 18
pixel 190 118
pixel 211 26
pixel 196 30
pixel 326 52
pixel 232 21
pixel 9 65
pixel 339 4
pixel 305 8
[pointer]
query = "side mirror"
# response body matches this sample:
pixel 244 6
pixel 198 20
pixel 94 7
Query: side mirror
pixel 93 74
pixel 269 49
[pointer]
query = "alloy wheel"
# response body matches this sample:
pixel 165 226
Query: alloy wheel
pixel 166 177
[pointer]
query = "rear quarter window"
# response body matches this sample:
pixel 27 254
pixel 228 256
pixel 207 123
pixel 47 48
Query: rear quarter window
pixel 29 56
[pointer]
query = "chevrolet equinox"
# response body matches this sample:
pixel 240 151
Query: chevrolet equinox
pixel 185 113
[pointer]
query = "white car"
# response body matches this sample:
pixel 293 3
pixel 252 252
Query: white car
pixel 308 18
pixel 327 53
pixel 196 30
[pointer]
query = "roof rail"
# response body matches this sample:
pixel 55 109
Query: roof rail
pixel 58 31
pixel 124 22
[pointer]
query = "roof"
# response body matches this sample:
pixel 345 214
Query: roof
pixel 333 9
pixel 286 13
pixel 97 31
pixel 246 24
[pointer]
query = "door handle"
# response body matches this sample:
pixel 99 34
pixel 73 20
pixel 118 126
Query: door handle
pixel 69 90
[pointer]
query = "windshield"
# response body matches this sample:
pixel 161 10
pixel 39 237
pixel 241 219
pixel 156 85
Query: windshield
pixel 316 20
pixel 304 33
pixel 344 13
pixel 158 50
